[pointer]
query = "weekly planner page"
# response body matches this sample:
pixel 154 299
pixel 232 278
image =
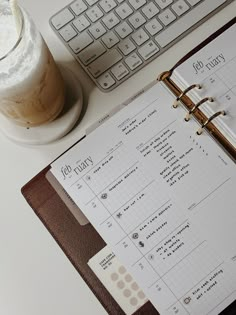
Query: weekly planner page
pixel 214 68
pixel 163 199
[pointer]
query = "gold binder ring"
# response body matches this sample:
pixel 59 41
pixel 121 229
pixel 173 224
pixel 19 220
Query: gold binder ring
pixel 176 102
pixel 204 100
pixel 200 130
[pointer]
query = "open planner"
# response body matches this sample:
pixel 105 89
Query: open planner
pixel 156 182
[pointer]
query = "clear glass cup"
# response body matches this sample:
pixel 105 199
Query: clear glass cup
pixel 32 90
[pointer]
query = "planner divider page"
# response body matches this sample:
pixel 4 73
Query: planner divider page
pixel 163 199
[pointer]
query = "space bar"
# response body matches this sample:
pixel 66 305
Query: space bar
pixel 187 21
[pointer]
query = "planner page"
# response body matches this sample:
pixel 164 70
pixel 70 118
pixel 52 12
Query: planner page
pixel 214 68
pixel 163 199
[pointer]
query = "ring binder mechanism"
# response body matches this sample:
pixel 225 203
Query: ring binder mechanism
pixel 194 109
pixel 200 130
pixel 191 111
pixel 178 98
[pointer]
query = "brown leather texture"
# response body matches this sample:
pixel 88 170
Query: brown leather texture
pixel 78 242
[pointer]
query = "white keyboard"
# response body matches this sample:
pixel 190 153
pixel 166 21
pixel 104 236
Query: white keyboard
pixel 113 39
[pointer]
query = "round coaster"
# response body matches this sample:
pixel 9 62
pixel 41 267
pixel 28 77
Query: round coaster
pixel 55 129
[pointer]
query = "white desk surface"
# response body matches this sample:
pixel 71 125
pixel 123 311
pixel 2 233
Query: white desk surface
pixel 35 276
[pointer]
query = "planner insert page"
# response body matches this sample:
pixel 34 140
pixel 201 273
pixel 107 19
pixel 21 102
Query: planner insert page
pixel 163 199
pixel 214 68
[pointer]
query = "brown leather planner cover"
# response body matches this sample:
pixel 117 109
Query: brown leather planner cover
pixel 82 242
pixel 79 242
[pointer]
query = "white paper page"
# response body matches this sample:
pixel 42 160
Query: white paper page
pixel 163 199
pixel 214 67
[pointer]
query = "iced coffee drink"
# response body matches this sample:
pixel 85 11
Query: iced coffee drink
pixel 31 86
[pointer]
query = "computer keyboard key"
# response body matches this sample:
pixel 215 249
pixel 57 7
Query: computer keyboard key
pixel 97 30
pixel 126 46
pixel 180 7
pixel 124 11
pixel 164 3
pixel 79 42
pixel 123 30
pixel 153 27
pixel 150 10
pixel 136 20
pixel 133 61
pixel 110 20
pixel 81 23
pixel 91 2
pixel 94 13
pixel 119 71
pixel 140 37
pixel 62 18
pixel 78 7
pixel 148 50
pixel 68 32
pixel 107 5
pixel 91 53
pixel 187 21
pixel 106 81
pixel 104 62
pixel 136 4
pixel 125 35
pixel 193 2
pixel 167 17
pixel 110 39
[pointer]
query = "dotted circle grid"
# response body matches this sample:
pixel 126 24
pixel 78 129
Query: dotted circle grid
pixel 130 288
